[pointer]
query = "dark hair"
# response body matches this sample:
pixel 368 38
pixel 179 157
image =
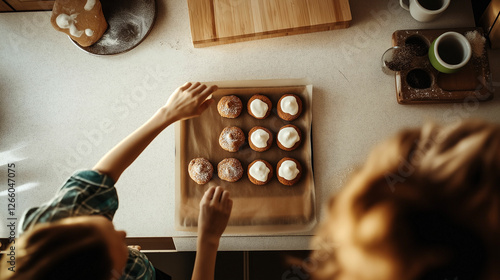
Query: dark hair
pixel 61 252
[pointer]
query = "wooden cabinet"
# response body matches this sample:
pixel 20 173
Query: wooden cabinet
pixel 4 7
pixel 25 5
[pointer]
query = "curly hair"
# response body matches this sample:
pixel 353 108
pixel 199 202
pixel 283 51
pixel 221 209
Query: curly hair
pixel 60 252
pixel 425 205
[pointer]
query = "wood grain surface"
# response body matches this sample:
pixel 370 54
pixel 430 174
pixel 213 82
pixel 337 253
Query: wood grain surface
pixel 215 22
pixel 471 83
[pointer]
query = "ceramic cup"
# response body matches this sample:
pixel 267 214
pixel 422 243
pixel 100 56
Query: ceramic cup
pixel 449 52
pixel 425 10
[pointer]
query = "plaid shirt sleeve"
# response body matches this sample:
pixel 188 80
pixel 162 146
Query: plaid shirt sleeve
pixel 88 193
pixel 85 193
pixel 138 267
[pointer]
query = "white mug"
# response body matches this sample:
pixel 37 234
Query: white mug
pixel 425 10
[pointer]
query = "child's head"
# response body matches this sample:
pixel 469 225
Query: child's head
pixel 425 205
pixel 85 247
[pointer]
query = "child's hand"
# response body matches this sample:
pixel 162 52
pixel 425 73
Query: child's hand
pixel 215 209
pixel 187 101
pixel 135 247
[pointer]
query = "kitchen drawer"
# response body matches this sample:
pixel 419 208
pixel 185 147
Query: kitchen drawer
pixel 4 7
pixel 30 5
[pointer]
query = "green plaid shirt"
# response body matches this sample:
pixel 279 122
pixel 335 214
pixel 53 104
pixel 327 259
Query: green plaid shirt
pixel 88 193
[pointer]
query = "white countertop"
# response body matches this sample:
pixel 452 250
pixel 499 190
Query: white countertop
pixel 62 109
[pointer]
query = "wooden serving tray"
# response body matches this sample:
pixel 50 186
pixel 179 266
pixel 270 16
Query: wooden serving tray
pixel 215 22
pixel 473 82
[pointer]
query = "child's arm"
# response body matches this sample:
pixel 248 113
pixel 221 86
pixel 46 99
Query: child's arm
pixel 215 208
pixel 186 102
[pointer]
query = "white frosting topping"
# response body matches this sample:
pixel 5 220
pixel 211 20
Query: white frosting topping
pixel 89 5
pixel 288 170
pixel 65 21
pixel 89 32
pixel 259 138
pixel 289 105
pixel 259 171
pixel 288 136
pixel 259 108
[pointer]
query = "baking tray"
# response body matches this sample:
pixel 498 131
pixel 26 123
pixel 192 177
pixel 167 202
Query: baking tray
pixel 272 208
pixel 472 83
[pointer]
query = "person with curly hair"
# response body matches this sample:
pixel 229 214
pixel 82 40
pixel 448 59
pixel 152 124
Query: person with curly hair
pixel 424 206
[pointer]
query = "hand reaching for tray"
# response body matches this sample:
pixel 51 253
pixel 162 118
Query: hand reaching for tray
pixel 215 209
pixel 187 101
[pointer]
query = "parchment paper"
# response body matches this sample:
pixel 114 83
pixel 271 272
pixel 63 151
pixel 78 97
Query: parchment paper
pixel 256 209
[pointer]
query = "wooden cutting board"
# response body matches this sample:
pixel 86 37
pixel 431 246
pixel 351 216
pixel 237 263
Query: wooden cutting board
pixel 472 83
pixel 215 22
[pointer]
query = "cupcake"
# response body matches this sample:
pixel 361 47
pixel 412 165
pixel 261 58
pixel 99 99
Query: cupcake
pixel 230 170
pixel 289 107
pixel 231 139
pixel 229 106
pixel 289 137
pixel 259 106
pixel 260 172
pixel 288 171
pixel 260 139
pixel 200 170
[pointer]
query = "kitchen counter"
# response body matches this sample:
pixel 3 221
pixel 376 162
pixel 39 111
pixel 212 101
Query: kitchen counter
pixel 62 109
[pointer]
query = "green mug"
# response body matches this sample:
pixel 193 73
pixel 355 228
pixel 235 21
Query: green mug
pixel 450 52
